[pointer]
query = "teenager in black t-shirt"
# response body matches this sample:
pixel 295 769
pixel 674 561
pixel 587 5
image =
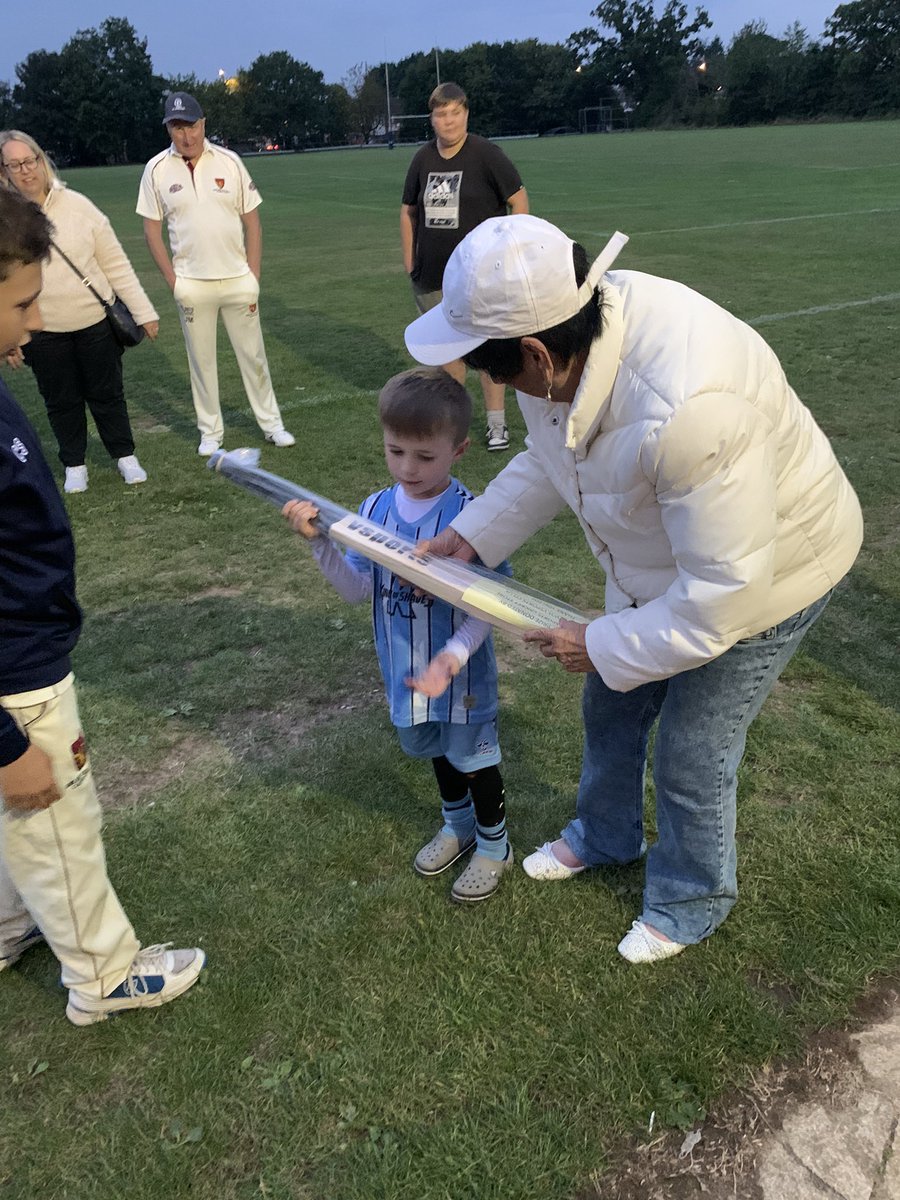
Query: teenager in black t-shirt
pixel 453 184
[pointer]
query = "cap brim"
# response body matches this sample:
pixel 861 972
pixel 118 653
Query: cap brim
pixel 432 340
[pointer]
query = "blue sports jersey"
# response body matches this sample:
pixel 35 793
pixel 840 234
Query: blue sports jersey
pixel 410 630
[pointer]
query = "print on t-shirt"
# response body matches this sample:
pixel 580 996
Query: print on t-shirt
pixel 442 199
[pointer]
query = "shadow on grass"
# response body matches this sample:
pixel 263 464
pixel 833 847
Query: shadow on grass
pixel 346 351
pixel 290 697
pixel 857 635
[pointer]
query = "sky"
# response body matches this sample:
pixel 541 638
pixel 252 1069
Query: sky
pixel 204 36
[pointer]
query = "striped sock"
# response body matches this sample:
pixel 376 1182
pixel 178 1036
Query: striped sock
pixel 459 818
pixel 456 803
pixel 492 841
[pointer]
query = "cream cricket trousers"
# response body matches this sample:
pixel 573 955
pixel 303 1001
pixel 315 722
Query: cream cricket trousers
pixel 52 865
pixel 199 303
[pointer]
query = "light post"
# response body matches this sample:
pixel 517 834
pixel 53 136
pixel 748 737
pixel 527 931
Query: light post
pixel 387 92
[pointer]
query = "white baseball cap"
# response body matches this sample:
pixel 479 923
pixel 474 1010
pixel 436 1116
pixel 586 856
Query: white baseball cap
pixel 510 277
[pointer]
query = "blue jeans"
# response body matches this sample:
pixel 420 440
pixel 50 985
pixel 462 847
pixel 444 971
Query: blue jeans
pixel 704 715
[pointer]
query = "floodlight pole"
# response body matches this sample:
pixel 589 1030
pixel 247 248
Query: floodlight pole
pixel 387 92
pixel 437 66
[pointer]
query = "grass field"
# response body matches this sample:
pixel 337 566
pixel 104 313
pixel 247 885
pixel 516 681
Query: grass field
pixel 357 1037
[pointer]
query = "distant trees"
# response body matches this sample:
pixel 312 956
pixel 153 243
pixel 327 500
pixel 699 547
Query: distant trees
pixel 865 42
pixel 98 100
pixel 365 88
pixel 651 59
pixel 513 87
pixel 284 99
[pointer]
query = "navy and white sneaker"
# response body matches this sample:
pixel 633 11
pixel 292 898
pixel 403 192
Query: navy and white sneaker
pixel 14 950
pixel 497 437
pixel 157 976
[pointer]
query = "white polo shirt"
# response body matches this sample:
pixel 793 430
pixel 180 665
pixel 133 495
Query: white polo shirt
pixel 202 210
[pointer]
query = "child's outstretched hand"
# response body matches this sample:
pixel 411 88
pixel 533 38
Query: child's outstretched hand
pixel 300 515
pixel 435 679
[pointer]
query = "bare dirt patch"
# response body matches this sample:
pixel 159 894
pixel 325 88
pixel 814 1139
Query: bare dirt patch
pixel 264 734
pixel 214 593
pixel 722 1164
pixel 259 735
pixel 122 785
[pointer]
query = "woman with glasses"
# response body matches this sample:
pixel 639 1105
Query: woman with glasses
pixel 76 359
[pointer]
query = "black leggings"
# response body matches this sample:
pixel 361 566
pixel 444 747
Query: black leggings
pixel 79 369
pixel 485 785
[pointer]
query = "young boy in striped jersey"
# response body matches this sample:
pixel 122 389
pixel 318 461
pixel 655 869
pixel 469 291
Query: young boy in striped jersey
pixel 438 665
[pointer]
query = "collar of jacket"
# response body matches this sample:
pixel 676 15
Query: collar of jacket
pixel 595 389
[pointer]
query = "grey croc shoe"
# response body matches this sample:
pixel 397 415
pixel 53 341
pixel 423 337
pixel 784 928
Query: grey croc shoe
pixel 441 852
pixel 480 879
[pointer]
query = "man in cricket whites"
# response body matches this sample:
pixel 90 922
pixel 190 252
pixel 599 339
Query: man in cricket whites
pixel 209 203
pixel 53 881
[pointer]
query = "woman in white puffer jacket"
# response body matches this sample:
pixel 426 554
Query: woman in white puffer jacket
pixel 714 504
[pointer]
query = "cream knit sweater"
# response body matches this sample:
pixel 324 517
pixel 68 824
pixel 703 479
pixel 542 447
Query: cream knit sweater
pixel 82 231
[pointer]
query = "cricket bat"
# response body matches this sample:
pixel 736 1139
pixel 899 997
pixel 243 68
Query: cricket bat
pixel 503 602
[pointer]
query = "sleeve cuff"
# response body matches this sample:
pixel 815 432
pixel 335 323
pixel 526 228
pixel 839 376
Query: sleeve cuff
pixel 13 742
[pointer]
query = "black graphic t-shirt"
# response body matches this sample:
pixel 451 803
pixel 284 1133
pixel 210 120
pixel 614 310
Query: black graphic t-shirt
pixel 452 196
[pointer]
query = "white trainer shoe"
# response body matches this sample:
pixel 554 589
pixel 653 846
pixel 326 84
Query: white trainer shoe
pixel 281 437
pixel 640 945
pixel 76 480
pixel 545 866
pixel 208 446
pixel 497 437
pixel 131 470
pixel 157 976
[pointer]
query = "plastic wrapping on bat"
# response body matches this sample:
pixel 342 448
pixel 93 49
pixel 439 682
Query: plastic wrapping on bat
pixel 242 467
pixel 475 589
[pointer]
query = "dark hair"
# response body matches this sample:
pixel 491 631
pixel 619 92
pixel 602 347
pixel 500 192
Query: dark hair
pixel 447 93
pixel 24 232
pixel 502 358
pixel 425 401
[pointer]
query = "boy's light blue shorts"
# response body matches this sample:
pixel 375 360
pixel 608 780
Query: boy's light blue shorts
pixel 466 747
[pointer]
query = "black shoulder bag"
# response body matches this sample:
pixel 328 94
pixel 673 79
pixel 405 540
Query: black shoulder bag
pixel 125 329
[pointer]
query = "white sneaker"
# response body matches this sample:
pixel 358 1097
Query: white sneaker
pixel 157 976
pixel 131 470
pixel 497 437
pixel 208 446
pixel 76 479
pixel 545 866
pixel 639 945
pixel 281 437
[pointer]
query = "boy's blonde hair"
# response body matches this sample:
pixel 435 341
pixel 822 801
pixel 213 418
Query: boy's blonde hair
pixel 423 402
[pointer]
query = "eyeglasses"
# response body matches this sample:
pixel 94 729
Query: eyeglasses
pixel 16 167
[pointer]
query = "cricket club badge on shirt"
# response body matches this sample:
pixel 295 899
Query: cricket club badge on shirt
pixel 220 185
pixel 441 199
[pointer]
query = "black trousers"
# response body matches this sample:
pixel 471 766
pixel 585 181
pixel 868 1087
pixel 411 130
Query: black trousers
pixel 76 371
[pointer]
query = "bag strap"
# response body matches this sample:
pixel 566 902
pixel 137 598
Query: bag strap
pixel 84 279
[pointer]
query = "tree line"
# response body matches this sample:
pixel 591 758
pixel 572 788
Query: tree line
pixel 98 99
